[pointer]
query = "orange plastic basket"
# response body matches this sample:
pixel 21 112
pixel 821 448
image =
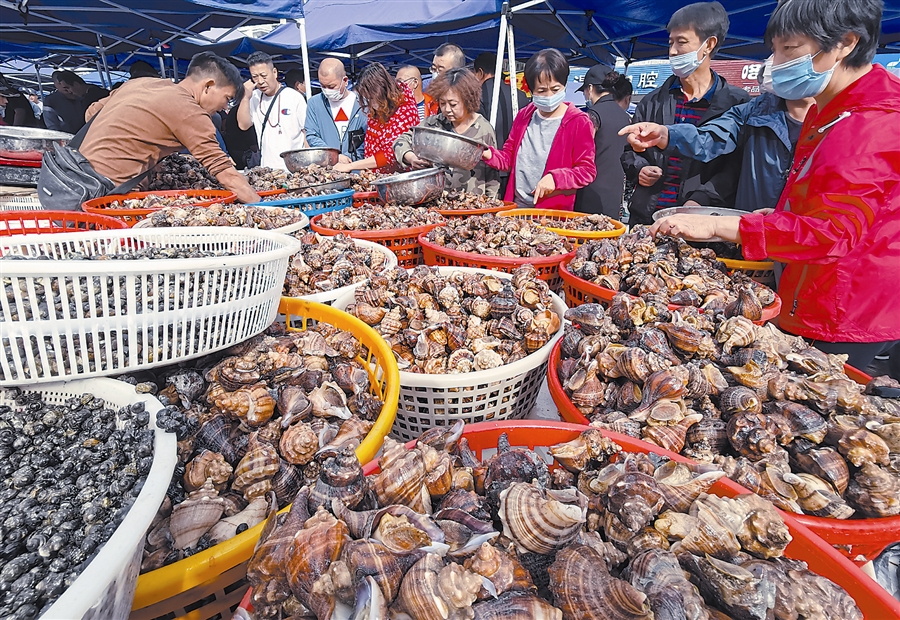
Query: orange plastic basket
pixel 579 291
pixel 403 242
pixel 575 236
pixel 361 198
pixel 860 540
pixel 271 192
pixel 762 271
pixel 547 266
pixel 43 222
pixel 872 599
pixel 100 206
pixel 458 213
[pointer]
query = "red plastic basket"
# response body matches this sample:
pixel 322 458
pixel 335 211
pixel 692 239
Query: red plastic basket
pixel 547 266
pixel 579 291
pixel 361 198
pixel 872 599
pixel 459 213
pixel 43 222
pixel 100 206
pixel 271 192
pixel 860 540
pixel 403 242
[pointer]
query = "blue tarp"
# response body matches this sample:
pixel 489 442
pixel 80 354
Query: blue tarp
pixel 284 9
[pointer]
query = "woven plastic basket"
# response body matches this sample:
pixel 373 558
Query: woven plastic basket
pixel 575 236
pixel 15 202
pixel 314 205
pixel 326 297
pixel 579 291
pixel 507 392
pixel 458 213
pixel 44 222
pixel 101 206
pixel 860 540
pixel 213 581
pixel 872 599
pixel 125 315
pixel 361 198
pixel 547 266
pixel 761 271
pixel 105 587
pixel 403 242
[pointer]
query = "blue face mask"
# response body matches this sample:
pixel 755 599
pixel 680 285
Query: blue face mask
pixel 797 79
pixel 685 64
pixel 550 103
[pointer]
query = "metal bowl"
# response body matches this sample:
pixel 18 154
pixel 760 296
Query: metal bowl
pixel 29 143
pixel 444 147
pixel 295 160
pixel 411 188
pixel 663 213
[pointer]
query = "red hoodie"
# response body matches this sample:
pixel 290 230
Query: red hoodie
pixel 570 161
pixel 837 224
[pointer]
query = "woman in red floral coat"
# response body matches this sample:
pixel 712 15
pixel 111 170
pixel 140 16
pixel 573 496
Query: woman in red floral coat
pixel 392 111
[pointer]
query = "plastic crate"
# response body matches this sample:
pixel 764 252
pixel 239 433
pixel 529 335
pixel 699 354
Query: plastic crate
pixel 872 599
pixel 13 202
pixel 208 304
pixel 547 266
pixel 403 242
pixel 860 540
pixel 760 271
pixel 213 581
pixel 105 588
pixel 44 222
pixel 326 297
pixel 579 291
pixel 101 206
pixel 507 392
pixel 459 213
pixel 314 205
pixel 575 236
pixel 362 198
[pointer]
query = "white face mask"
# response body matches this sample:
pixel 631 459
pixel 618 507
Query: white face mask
pixel 335 94
pixel 766 86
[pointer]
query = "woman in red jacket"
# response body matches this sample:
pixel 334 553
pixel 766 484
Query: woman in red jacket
pixel 392 111
pixel 550 149
pixel 837 225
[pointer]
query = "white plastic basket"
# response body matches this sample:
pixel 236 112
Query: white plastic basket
pixel 164 310
pixel 505 393
pixel 25 202
pixel 301 223
pixel 105 588
pixel 326 297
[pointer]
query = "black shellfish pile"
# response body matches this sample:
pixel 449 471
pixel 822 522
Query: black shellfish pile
pixel 437 533
pixel 362 180
pixel 70 474
pixel 237 215
pixel 263 179
pixel 179 171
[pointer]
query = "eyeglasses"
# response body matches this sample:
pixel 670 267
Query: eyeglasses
pixel 409 81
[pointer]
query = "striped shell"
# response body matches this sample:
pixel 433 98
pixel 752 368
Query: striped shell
pixel 541 521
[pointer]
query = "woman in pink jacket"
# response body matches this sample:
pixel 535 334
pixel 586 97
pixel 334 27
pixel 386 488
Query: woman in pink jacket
pixel 550 149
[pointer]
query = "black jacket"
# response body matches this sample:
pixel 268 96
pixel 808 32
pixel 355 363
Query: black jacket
pixel 698 180
pixel 504 113
pixel 604 194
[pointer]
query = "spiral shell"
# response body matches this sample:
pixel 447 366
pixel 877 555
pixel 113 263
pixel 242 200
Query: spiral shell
pixel 253 474
pixel 341 477
pixel 656 573
pixel 739 399
pixel 402 478
pixel 680 487
pixel 432 591
pixel 671 438
pixel 205 465
pixel 541 521
pixel 253 405
pixel 736 332
pixel 193 517
pixel 862 447
pixel 875 492
pixel 313 550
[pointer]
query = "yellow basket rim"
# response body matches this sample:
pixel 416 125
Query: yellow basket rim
pixel 619 229
pixel 756 265
pixel 186 574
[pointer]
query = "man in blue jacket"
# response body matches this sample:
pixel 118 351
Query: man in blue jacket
pixel 333 118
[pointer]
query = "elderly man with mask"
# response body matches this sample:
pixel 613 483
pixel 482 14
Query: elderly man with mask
pixel 694 94
pixel 333 118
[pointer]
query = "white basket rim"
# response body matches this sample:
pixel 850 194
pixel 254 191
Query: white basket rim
pixel 288 246
pixel 328 296
pixel 111 561
pixel 480 377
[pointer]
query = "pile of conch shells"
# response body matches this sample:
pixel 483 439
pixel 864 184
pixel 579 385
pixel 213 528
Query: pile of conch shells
pixel 490 235
pixel 595 222
pixel 780 417
pixel 459 200
pixel 666 270
pixel 179 171
pixel 326 263
pixel 380 217
pixel 244 216
pixel 156 201
pixel 314 174
pixel 459 322
pixel 362 180
pixel 439 534
pixel 263 178
pixel 283 411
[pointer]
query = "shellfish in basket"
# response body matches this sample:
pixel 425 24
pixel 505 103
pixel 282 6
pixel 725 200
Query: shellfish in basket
pixel 562 553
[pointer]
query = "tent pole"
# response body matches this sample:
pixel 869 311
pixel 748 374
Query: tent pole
pixel 40 84
pixel 513 74
pixel 162 62
pixel 301 24
pixel 99 66
pixel 174 68
pixel 498 68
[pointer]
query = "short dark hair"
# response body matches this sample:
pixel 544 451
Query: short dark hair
pixel 141 68
pixel 463 82
pixel 546 63
pixel 486 62
pixel 707 19
pixel 293 76
pixel 67 77
pixel 617 85
pixel 827 22
pixel 207 64
pixel 455 51
pixel 259 58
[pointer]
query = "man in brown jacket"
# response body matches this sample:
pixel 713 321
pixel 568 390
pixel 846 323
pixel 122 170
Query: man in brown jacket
pixel 145 120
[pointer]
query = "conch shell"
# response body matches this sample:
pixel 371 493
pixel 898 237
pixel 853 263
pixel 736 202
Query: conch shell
pixel 541 521
pixel 299 444
pixel 312 552
pixel 432 591
pixel 205 465
pixel 193 517
pixel 229 527
pixel 252 405
pixel 402 478
pixel 253 475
